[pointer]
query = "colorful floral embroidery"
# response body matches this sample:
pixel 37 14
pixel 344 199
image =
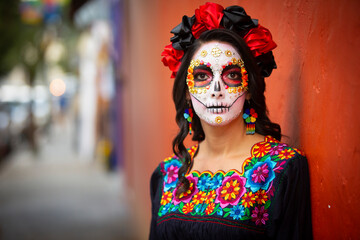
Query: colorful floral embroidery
pixel 210 209
pixel 261 197
pixel 204 182
pixel 186 196
pixel 286 154
pixel 188 208
pixel 166 198
pixel 233 195
pixel 171 169
pixel 260 175
pixel 260 149
pixel 248 200
pixel 237 212
pixel 210 197
pixel 199 197
pixel 260 215
pixel 231 190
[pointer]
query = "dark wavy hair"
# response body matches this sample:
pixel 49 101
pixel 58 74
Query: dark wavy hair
pixel 256 87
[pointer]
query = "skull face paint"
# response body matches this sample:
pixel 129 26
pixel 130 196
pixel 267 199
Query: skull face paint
pixel 217 82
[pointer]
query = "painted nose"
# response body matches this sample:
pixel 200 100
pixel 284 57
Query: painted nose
pixel 216 93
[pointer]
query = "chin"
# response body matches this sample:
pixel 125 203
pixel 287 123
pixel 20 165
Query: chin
pixel 219 120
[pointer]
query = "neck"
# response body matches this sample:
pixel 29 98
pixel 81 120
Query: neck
pixel 223 140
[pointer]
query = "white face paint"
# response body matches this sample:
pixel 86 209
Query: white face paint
pixel 217 82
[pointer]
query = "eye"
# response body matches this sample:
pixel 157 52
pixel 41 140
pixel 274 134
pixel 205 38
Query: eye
pixel 232 77
pixel 202 77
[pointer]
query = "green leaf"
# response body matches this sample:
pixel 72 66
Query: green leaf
pixel 226 214
pixel 160 211
pixel 247 211
pixel 226 209
pixel 181 207
pixel 229 173
pixel 267 204
pixel 246 218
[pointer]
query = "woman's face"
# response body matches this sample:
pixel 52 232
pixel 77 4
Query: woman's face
pixel 217 82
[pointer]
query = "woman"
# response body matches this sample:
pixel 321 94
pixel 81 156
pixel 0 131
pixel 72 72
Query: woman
pixel 239 182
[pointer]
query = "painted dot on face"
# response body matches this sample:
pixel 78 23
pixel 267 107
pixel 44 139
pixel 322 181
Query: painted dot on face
pixel 228 53
pixel 218 119
pixel 203 53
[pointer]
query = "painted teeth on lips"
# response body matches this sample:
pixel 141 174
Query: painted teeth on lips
pixel 217 110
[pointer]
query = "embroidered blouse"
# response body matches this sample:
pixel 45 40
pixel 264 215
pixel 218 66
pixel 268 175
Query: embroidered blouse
pixel 268 199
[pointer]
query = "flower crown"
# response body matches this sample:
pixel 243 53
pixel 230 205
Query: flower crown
pixel 213 16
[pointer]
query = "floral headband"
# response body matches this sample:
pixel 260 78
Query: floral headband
pixel 213 16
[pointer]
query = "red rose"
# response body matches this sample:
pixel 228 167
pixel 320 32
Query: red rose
pixel 208 17
pixel 259 40
pixel 171 58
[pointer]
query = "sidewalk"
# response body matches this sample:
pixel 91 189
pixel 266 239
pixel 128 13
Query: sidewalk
pixel 57 196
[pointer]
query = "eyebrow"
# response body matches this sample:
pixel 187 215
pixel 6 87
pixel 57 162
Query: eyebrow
pixel 202 67
pixel 228 67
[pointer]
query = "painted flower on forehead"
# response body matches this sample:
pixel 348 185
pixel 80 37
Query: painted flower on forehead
pixel 207 17
pixel 232 189
pixel 260 175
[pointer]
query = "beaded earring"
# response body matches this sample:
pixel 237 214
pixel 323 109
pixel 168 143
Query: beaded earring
pixel 188 115
pixel 250 117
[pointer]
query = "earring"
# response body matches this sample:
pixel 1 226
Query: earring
pixel 250 117
pixel 188 115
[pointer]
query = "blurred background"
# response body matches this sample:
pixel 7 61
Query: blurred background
pixel 86 112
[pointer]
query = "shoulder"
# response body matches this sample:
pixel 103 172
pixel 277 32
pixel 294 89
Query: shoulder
pixel 281 157
pixel 276 150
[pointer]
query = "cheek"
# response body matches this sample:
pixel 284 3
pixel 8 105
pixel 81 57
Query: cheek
pixel 238 105
pixel 198 104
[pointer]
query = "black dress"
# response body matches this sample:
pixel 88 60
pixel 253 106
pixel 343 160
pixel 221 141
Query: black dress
pixel 268 199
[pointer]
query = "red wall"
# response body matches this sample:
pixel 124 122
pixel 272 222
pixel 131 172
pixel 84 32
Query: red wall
pixel 312 95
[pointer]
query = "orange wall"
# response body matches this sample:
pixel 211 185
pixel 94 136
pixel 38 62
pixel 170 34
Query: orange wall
pixel 312 95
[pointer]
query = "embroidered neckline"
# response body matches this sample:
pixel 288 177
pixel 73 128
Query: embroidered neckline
pixel 193 149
